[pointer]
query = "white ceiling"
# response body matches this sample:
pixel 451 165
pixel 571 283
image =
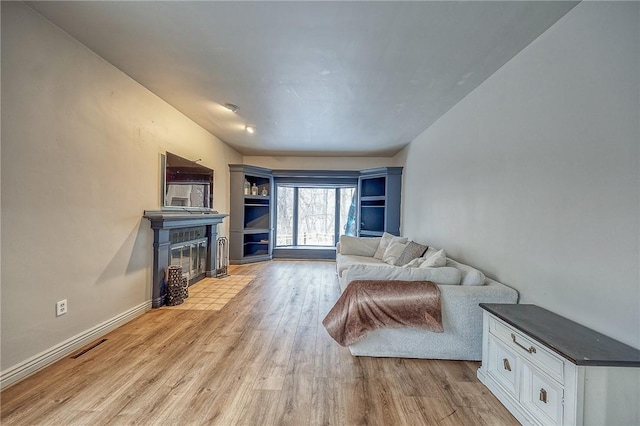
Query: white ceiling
pixel 328 78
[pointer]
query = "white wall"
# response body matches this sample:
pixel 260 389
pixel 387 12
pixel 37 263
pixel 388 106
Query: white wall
pixel 534 176
pixel 81 145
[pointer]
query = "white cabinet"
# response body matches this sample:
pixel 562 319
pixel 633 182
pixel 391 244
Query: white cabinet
pixel 547 370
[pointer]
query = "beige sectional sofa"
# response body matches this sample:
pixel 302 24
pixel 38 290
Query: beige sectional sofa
pixel 462 288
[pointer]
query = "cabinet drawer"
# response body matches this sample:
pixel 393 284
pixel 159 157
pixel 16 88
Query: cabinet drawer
pixel 542 396
pixel 528 349
pixel 503 366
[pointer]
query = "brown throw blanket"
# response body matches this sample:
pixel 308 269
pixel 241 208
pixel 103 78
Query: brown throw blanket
pixel 367 305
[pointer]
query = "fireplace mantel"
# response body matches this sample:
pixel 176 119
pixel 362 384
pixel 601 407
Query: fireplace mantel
pixel 162 221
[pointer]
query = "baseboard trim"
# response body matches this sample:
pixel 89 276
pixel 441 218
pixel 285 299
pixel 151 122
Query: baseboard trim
pixel 37 362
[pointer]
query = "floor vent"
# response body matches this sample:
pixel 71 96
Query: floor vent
pixel 84 351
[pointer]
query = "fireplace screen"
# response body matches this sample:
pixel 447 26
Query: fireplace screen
pixel 189 250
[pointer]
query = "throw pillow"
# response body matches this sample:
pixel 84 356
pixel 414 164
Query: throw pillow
pixel 393 252
pixel 384 243
pixel 411 252
pixel 435 260
pixel 358 246
pixel 415 263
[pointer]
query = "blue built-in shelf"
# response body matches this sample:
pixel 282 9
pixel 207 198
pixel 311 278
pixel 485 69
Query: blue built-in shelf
pixel 251 222
pixel 379 201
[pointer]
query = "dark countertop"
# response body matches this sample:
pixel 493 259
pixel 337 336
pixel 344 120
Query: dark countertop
pixel 575 342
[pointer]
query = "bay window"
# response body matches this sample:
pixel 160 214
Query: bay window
pixel 314 214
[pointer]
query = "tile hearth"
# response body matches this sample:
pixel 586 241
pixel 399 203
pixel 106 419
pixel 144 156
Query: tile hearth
pixel 211 294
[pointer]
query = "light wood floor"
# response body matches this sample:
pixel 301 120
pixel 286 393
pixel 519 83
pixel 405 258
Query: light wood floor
pixel 264 359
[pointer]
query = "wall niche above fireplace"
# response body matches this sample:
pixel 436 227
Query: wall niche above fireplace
pixel 187 185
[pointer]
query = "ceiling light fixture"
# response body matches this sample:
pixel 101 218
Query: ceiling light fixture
pixel 231 107
pixel 250 129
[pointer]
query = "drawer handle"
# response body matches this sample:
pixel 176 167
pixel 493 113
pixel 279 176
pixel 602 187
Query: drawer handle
pixel 531 350
pixel 543 395
pixel 506 364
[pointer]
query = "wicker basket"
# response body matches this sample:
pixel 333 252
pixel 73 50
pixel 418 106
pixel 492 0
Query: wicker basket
pixel 176 286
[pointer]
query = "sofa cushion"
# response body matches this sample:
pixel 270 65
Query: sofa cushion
pixel 444 276
pixel 434 259
pixel 359 246
pixel 470 275
pixel 393 252
pixel 385 240
pixel 346 261
pixel 411 252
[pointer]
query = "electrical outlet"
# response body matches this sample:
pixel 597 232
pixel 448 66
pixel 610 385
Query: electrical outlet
pixel 61 307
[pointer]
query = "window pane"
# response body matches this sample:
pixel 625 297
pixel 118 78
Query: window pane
pixel 284 217
pixel 347 211
pixel 316 216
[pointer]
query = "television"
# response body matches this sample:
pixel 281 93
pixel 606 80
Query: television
pixel 187 185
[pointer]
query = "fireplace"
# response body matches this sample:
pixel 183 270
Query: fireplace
pixel 188 249
pixel 188 239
